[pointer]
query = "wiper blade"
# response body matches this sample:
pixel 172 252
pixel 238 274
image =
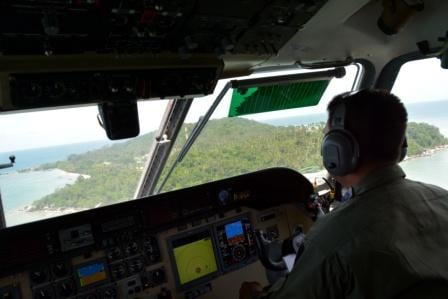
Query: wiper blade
pixel 197 129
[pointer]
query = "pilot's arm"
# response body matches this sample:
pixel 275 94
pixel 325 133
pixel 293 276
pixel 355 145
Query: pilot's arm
pixel 321 271
pixel 313 276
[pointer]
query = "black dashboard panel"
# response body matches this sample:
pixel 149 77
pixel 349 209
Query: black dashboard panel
pixel 40 90
pixel 173 242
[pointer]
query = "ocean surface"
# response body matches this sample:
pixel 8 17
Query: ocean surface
pixel 19 189
pixel 34 157
pixel 431 169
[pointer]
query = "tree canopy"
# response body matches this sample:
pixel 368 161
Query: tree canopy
pixel 226 147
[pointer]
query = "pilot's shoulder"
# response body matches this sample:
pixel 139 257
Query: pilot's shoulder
pixel 425 188
pixel 328 232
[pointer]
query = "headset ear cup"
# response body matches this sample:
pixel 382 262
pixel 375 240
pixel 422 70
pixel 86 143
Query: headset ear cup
pixel 340 152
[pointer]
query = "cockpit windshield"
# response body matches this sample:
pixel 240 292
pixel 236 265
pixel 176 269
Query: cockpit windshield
pixel 65 163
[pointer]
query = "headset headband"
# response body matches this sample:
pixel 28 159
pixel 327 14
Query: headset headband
pixel 338 119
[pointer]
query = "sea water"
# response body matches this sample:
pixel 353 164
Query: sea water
pixel 20 185
pixel 431 169
pixel 34 157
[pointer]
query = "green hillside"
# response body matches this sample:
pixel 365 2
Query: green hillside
pixel 226 147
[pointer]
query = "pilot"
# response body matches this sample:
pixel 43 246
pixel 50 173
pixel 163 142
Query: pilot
pixel 390 240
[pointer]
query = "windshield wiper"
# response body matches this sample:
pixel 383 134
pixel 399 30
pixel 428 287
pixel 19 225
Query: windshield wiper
pixel 197 129
pixel 244 85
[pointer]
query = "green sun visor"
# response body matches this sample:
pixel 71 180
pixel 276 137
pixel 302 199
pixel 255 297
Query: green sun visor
pixel 277 97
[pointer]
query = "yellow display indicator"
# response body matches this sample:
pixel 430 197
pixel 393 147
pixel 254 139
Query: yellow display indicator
pixel 91 274
pixel 195 260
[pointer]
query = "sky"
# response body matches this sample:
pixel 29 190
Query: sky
pixel 419 81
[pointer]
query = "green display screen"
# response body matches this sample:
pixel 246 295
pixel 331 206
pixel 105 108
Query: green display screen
pixel 195 260
pixel 277 97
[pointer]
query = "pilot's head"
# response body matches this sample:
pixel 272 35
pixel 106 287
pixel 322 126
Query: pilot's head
pixel 365 130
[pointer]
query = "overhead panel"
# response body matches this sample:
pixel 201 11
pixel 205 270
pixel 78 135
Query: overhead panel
pixel 54 27
pixel 71 52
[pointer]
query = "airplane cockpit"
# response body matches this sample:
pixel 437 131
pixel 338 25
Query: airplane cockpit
pixel 171 149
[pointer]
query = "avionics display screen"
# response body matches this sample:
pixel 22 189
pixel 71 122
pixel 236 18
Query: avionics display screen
pixel 194 257
pixel 92 273
pixel 234 229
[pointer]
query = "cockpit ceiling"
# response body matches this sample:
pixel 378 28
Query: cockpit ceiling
pixel 348 29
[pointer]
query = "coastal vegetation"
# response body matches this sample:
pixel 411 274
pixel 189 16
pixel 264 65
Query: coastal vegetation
pixel 226 147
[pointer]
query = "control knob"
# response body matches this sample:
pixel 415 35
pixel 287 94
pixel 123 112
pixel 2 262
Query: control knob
pixel 164 294
pixel 65 288
pixel 60 270
pixel 158 276
pixel 43 294
pixel 119 271
pixel 38 276
pixel 110 294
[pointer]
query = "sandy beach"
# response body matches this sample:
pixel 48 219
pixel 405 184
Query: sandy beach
pixel 17 211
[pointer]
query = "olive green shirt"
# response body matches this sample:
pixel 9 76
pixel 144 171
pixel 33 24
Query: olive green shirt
pixel 389 241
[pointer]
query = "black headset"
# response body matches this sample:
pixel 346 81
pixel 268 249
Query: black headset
pixel 340 149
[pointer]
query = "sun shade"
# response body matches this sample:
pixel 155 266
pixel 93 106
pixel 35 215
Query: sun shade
pixel 276 97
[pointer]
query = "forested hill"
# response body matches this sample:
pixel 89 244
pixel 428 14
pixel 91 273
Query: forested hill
pixel 226 147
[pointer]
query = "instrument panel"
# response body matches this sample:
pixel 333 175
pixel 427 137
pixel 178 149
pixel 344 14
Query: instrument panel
pixel 184 244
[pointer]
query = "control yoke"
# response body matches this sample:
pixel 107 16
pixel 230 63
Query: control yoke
pixel 263 245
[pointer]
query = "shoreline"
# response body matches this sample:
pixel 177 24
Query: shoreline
pixel 25 214
pixel 22 212
pixel 62 173
pixel 428 152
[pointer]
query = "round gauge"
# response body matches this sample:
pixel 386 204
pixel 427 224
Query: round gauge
pixel 118 271
pixel 136 266
pixel 132 248
pixel 32 91
pixel 57 90
pixel 239 253
pixel 114 253
pixel 60 269
pixel 147 244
